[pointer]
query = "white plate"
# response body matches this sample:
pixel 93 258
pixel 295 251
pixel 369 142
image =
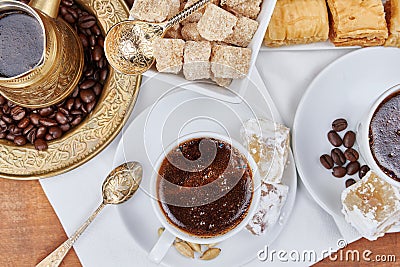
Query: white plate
pixel 185 111
pixel 211 89
pixel 344 89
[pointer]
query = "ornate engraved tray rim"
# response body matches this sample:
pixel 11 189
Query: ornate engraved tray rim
pixel 97 130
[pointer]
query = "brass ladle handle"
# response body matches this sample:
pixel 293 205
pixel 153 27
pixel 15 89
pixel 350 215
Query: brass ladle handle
pixel 185 13
pixel 55 258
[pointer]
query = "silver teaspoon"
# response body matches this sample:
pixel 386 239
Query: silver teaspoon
pixel 118 187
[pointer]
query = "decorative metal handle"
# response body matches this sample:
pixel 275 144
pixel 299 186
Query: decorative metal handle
pixel 185 13
pixel 56 257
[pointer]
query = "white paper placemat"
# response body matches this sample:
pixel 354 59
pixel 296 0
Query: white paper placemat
pixel 106 242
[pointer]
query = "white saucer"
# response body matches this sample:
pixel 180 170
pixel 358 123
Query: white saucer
pixel 344 89
pixel 186 111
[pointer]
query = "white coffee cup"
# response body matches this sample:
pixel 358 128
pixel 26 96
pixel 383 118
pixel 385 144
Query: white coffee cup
pixel 171 231
pixel 363 136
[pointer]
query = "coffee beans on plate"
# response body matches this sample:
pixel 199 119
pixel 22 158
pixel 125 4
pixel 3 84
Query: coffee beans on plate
pixel 334 138
pixel 349 139
pixel 339 125
pixel 363 171
pixel 38 126
pixel 338 158
pixel 326 161
pixel 350 182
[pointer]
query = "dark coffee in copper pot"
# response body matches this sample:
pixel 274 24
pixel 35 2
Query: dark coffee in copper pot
pixel 205 187
pixel 21 43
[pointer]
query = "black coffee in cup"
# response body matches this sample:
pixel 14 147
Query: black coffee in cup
pixel 21 43
pixel 384 136
pixel 205 187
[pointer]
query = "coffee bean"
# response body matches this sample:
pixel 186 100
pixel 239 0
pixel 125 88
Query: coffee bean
pixel 76 121
pixel 77 112
pixel 100 41
pixel 48 137
pixel 363 171
pixel 63 11
pixel 41 132
pixel 77 103
pixel 349 139
pixel 87 84
pixel 75 93
pixel 47 122
pixel 27 129
pixel 92 40
pixel 67 2
pixel 3 135
pixel 351 154
pixel 65 127
pixel 70 104
pixel 103 74
pixel 87 21
pixel 87 95
pixel 63 111
pixel 69 18
pixel 44 112
pixel 2 100
pixel 40 144
pixel 90 106
pixel 338 156
pixel 34 118
pixel 84 40
pixel 73 12
pixel 14 130
pixel 17 113
pixel 339 171
pixel 61 118
pixel 89 72
pixel 339 125
pixel 350 182
pixel 20 140
pixel 326 161
pixel 96 30
pixel 352 167
pixel 10 137
pixel 23 123
pixel 334 138
pixel 55 132
pixel 7 119
pixel 97 53
pixel 101 63
pixel 31 136
pixel 97 89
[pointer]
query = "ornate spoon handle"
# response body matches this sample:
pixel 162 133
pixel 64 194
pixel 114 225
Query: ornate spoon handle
pixel 185 13
pixel 55 258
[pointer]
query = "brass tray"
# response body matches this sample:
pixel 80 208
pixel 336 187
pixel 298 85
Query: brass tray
pixel 97 130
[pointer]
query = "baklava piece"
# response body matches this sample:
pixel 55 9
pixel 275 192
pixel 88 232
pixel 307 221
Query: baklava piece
pixel 297 22
pixel 357 22
pixel 392 9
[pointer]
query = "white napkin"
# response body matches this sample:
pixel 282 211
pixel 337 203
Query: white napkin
pixel 106 242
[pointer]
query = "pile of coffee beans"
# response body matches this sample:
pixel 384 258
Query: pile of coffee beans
pixel 337 159
pixel 38 126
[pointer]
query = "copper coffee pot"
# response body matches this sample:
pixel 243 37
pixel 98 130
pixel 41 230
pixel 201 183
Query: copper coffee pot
pixel 58 72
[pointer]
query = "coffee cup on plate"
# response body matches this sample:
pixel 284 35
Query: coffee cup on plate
pixel 378 136
pixel 205 188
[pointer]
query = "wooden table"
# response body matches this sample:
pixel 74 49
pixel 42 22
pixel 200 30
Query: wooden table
pixel 30 230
